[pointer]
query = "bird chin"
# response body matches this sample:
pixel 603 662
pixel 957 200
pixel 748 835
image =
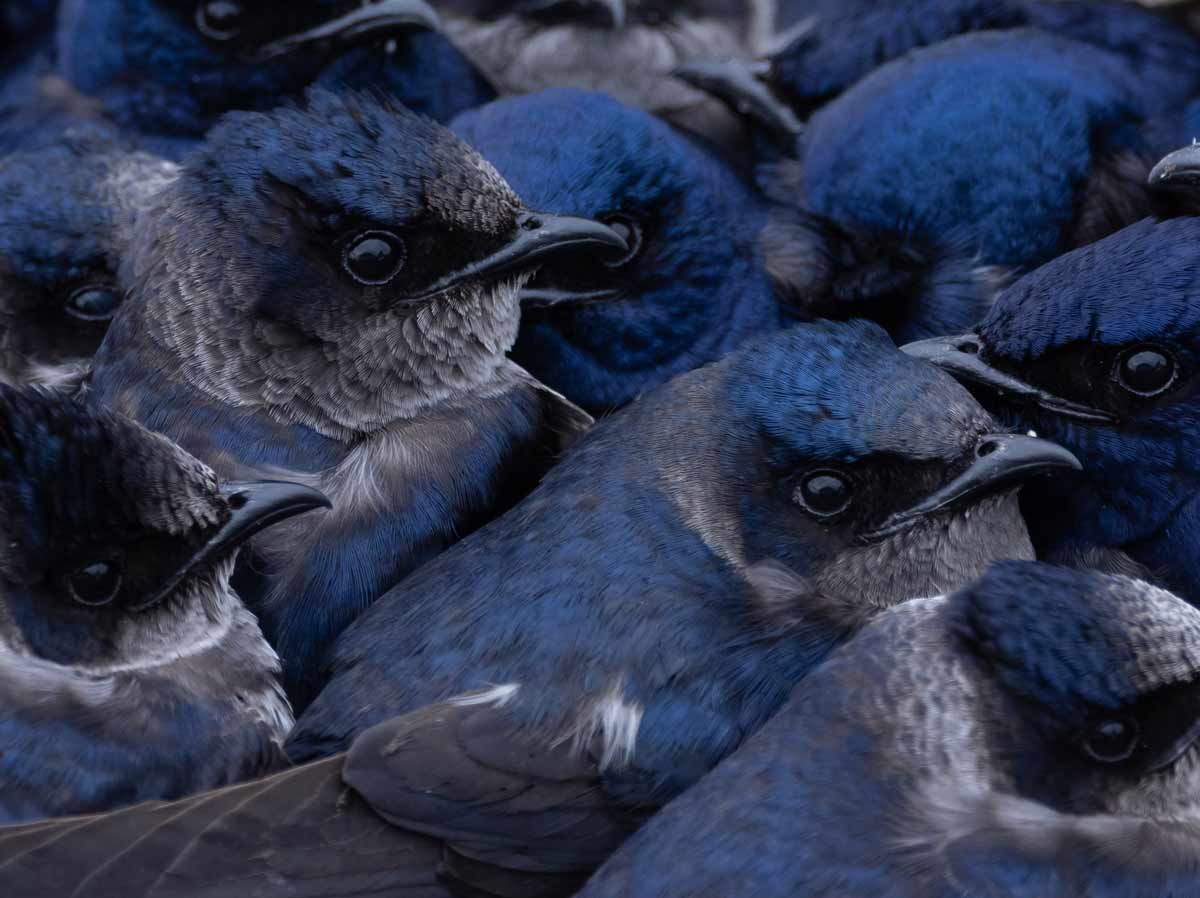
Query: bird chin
pixel 192 620
pixel 936 555
pixel 523 57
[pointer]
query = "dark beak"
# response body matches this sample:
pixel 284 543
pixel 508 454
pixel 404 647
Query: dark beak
pixel 960 357
pixel 1177 170
pixel 539 235
pixel 254 506
pixel 1001 460
pixel 740 84
pixel 363 25
pixel 605 13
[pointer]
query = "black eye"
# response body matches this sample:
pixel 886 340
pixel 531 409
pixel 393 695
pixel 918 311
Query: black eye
pixel 824 493
pixel 96 584
pixel 374 257
pixel 631 232
pixel 220 20
pixel 93 303
pixel 1112 740
pixel 1145 370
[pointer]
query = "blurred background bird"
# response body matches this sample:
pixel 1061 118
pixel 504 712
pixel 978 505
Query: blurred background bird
pixel 67 217
pixel 1034 734
pixel 692 285
pixel 164 71
pixel 129 670
pixel 625 48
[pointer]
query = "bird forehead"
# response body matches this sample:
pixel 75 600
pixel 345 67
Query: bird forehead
pixel 1140 283
pixel 845 389
pixel 1065 635
pixel 575 146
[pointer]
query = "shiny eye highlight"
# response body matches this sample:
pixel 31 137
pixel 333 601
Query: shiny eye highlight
pixel 220 20
pixel 631 232
pixel 375 257
pixel 96 584
pixel 824 493
pixel 1145 370
pixel 1112 740
pixel 93 303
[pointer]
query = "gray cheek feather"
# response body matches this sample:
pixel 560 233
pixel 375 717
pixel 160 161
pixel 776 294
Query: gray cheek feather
pixel 204 643
pixel 937 556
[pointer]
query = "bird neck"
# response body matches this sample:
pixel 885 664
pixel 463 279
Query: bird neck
pixel 382 370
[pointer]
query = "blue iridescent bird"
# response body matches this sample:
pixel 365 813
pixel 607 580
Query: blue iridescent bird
pixel 165 70
pixel 1099 350
pixel 692 285
pixel 129 669
pixel 918 189
pixel 1032 736
pixel 329 290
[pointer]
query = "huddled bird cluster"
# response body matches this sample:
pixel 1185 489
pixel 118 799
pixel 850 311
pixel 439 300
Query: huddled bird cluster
pixel 615 448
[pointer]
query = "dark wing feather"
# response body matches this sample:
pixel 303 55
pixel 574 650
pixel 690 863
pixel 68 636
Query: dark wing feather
pixel 520 817
pixel 565 422
pixel 301 834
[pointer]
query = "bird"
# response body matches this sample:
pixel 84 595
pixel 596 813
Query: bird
pixel 653 601
pixel 164 71
pixel 919 192
pixel 824 47
pixel 67 216
pixel 595 652
pixel 1033 735
pixel 129 670
pixel 326 292
pixel 624 48
pixel 1095 350
pixel 693 285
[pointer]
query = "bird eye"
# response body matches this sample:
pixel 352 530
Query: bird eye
pixel 93 303
pixel 1145 370
pixel 631 232
pixel 824 493
pixel 220 20
pixel 374 257
pixel 96 584
pixel 1112 740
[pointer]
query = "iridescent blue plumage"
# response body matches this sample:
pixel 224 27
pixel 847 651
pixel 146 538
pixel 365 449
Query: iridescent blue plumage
pixel 694 286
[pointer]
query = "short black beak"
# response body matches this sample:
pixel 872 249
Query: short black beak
pixel 606 13
pixel 363 25
pixel 960 357
pixel 539 235
pixel 740 84
pixel 254 506
pixel 1177 170
pixel 1001 460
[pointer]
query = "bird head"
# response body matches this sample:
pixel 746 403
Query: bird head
pixel 115 544
pixel 689 287
pixel 67 214
pixel 1098 678
pixel 343 261
pixel 173 66
pixel 1099 350
pixel 835 471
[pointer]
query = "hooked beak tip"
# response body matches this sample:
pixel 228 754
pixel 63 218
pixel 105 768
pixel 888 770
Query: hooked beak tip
pixel 1180 169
